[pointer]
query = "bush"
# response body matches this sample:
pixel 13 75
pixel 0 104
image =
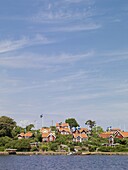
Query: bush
pixel 2 148
pixel 92 148
pixel 4 140
pixel 20 145
pixel 34 148
pixel 44 148
pixel 119 148
pixel 71 148
pixel 53 146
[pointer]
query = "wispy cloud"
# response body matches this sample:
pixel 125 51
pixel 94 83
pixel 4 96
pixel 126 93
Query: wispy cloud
pixel 73 28
pixel 28 60
pixel 67 16
pixel 11 45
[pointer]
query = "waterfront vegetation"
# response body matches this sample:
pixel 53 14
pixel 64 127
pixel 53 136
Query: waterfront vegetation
pixel 9 131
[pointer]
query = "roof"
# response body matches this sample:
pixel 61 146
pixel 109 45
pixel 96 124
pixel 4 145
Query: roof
pixel 106 134
pixel 115 129
pixel 28 134
pixel 45 135
pixel 21 134
pixel 45 130
pixel 62 124
pixel 124 134
pixel 83 129
pixel 64 129
pixel 80 135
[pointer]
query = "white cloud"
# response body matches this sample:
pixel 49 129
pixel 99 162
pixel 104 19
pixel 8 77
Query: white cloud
pixel 73 28
pixel 27 60
pixel 66 16
pixel 12 45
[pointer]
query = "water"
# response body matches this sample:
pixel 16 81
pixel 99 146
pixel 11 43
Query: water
pixel 39 162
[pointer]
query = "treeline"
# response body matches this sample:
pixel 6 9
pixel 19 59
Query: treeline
pixel 9 131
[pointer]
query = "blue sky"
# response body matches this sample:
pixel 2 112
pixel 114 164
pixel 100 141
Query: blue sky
pixel 64 58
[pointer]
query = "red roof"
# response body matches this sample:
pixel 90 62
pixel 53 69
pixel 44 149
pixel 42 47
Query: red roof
pixel 62 124
pixel 45 130
pixel 115 129
pixel 45 135
pixel 106 134
pixel 28 134
pixel 124 134
pixel 75 135
pixel 64 130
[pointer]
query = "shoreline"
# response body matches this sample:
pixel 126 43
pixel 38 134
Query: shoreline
pixel 65 153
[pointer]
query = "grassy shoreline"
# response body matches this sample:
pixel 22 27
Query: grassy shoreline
pixel 66 153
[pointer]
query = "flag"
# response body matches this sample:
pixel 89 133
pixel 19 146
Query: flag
pixel 41 116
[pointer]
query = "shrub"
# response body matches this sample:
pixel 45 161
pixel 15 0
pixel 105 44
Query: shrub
pixel 34 148
pixel 2 148
pixel 53 146
pixel 92 148
pixel 44 148
pixel 20 145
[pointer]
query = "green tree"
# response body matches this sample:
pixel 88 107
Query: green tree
pixel 97 130
pixel 20 145
pixel 90 123
pixel 72 122
pixel 4 140
pixel 17 130
pixel 29 127
pixel 53 146
pixel 6 126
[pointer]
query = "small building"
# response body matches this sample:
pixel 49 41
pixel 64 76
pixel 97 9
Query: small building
pixel 121 135
pixel 79 137
pixel 48 137
pixel 80 131
pixel 64 131
pixel 106 135
pixel 45 130
pixel 25 135
pixel 115 130
pixel 20 136
pixel 62 125
pixel 116 134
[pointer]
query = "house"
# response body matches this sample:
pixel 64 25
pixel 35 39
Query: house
pixel 117 133
pixel 106 135
pixel 28 135
pixel 48 137
pixel 121 135
pixel 47 134
pixel 79 137
pixel 63 128
pixel 25 135
pixel 62 125
pixel 115 129
pixel 21 136
pixel 64 131
pixel 81 131
pixel 45 130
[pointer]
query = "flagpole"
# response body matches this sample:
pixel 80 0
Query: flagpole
pixel 41 116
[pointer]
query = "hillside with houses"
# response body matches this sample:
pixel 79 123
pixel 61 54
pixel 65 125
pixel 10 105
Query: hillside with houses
pixel 66 136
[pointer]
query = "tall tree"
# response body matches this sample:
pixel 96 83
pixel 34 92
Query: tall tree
pixel 90 123
pixel 6 126
pixel 29 127
pixel 72 122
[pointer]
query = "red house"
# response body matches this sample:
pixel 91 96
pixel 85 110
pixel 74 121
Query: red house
pixel 79 137
pixel 121 135
pixel 48 137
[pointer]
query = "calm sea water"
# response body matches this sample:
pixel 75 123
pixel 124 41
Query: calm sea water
pixel 40 162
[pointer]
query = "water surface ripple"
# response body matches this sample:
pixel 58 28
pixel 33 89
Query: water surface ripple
pixel 39 162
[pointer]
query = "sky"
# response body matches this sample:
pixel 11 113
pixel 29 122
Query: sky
pixel 64 59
